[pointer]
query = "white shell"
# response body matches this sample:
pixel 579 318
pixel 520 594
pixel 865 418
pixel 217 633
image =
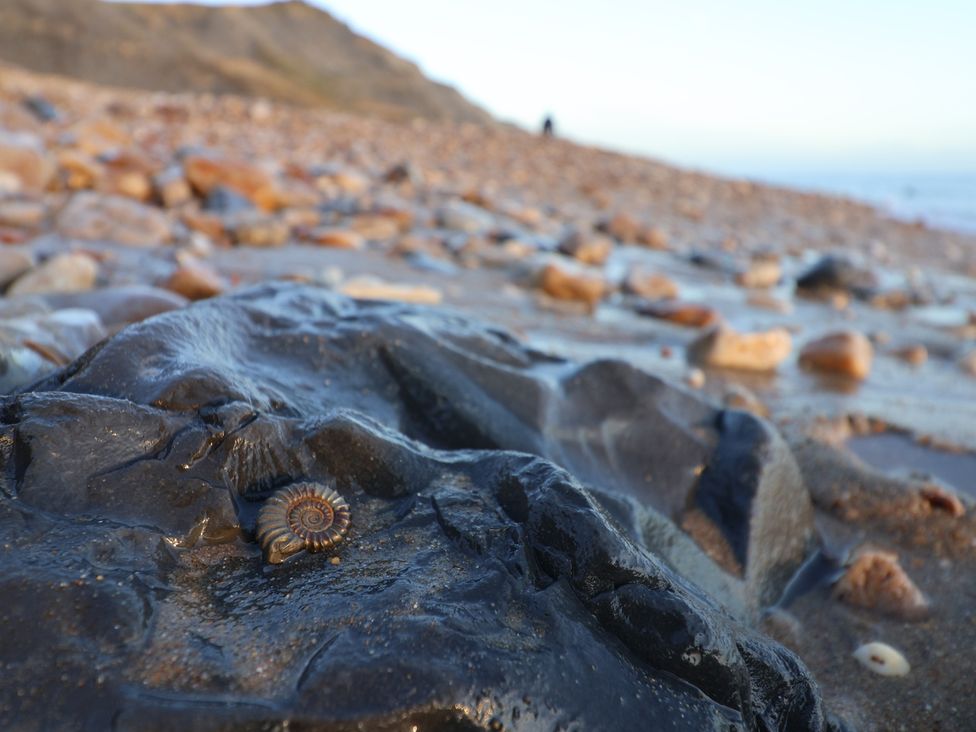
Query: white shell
pixel 882 659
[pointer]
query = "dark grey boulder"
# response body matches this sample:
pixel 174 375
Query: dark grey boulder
pixel 478 587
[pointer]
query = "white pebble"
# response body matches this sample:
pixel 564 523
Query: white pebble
pixel 882 659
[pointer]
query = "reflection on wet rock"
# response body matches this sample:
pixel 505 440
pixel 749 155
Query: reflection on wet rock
pixel 515 531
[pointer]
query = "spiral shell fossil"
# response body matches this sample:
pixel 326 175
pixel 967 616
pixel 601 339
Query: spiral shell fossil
pixel 308 516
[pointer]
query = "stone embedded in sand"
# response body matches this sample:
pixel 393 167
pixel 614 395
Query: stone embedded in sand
pixel 760 273
pixel 100 217
pixel 586 247
pixel 23 157
pixel 882 659
pixel 563 283
pixel 62 273
pixel 876 581
pixel 847 353
pixel 649 285
pixel 688 314
pixel 722 347
pixel 328 236
pixel 195 281
pixel 371 288
pixel 206 171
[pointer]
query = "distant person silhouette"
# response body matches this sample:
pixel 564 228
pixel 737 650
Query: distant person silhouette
pixel 547 127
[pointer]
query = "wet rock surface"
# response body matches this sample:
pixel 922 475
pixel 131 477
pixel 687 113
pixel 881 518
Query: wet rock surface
pixel 597 384
pixel 464 559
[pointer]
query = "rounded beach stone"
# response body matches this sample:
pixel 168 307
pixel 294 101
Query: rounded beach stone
pixel 722 347
pixel 847 353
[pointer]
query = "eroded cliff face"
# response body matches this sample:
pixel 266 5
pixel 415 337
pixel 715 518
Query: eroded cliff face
pixel 287 51
pixel 481 585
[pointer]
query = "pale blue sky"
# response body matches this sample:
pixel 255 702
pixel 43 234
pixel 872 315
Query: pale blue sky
pixel 748 86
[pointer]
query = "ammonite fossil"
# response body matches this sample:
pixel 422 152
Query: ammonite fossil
pixel 308 516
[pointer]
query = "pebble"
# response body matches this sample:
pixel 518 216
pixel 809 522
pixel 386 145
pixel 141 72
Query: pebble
pixel 562 283
pixel 622 226
pixel 195 281
pixel 371 288
pixel 78 170
pixel 837 273
pixel 376 227
pixel 22 213
pixel 466 217
pixel 101 217
pixel 653 238
pixel 117 306
pixel 882 659
pixel 586 247
pixel 650 285
pixel 762 273
pixel 968 363
pixel 23 156
pixel 255 229
pixel 171 187
pixel 336 238
pixel 915 354
pixel 207 171
pixel 847 353
pixel 875 580
pixel 13 263
pixel 722 347
pixel 688 314
pixel 739 397
pixel 71 272
pixel 695 378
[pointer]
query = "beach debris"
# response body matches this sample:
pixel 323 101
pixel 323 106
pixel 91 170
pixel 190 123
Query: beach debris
pixel 882 659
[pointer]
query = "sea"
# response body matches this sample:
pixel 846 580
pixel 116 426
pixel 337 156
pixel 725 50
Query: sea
pixel 943 201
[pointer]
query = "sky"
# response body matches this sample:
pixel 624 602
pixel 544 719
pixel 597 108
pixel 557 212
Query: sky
pixel 745 87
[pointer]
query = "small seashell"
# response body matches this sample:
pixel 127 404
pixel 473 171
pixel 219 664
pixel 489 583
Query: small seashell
pixel 308 516
pixel 882 659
